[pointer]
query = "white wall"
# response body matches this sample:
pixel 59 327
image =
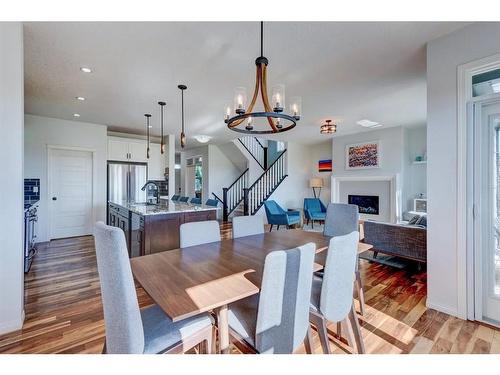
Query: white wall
pixel 317 152
pixel 43 131
pixel 444 55
pixel 222 170
pixel 11 178
pixel 415 174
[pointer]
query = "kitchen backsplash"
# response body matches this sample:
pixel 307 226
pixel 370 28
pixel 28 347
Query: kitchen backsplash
pixel 31 190
pixel 163 185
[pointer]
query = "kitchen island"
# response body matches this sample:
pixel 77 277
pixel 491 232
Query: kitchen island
pixel 152 228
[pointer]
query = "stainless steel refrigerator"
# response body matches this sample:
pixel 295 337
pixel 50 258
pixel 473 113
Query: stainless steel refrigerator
pixel 125 181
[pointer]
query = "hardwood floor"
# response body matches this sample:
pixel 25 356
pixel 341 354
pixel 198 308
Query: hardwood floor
pixel 64 312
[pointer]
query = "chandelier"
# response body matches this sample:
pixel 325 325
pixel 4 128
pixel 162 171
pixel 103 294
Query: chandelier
pixel 277 120
pixel 328 128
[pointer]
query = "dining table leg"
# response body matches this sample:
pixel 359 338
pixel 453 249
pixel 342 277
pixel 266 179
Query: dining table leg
pixel 223 329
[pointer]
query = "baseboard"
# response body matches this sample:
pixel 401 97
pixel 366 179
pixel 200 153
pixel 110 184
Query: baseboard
pixel 444 309
pixel 12 325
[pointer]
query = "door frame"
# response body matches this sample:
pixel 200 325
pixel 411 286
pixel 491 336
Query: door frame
pixel 465 194
pixel 50 150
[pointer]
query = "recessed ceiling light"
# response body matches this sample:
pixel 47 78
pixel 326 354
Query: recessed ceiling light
pixel 368 124
pixel 81 98
pixel 85 69
pixel 202 138
pixel 76 115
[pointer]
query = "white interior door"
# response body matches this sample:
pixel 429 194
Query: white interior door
pixel 70 193
pixel 487 212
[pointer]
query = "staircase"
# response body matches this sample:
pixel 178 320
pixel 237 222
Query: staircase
pixel 256 149
pixel 255 196
pixel 241 198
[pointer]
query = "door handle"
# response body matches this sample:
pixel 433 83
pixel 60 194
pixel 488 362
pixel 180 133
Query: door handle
pixel 54 198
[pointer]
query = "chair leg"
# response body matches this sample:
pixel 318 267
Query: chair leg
pixel 308 341
pixel 320 323
pixel 360 293
pixel 104 347
pixel 349 334
pixel 358 337
pixel 278 228
pixel 312 223
pixel 270 229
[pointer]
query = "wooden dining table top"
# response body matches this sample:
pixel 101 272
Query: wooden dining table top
pixel 186 282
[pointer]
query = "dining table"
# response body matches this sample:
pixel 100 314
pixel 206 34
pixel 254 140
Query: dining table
pixel 208 278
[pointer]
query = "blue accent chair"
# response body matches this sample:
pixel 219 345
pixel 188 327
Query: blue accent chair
pixel 175 197
pixel 314 209
pixel 195 201
pixel 183 199
pixel 212 202
pixel 278 216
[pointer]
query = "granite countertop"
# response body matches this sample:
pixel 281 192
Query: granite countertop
pixel 165 207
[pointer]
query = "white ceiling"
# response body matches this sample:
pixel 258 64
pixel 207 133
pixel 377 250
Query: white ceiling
pixel 342 71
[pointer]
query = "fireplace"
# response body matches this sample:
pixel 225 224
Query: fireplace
pixel 368 204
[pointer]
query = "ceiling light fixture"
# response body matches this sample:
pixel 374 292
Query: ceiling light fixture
pixel 202 138
pixel 277 120
pixel 162 141
pixel 328 128
pixel 183 136
pixel 76 115
pixel 148 116
pixel 80 98
pixel 368 124
pixel 86 70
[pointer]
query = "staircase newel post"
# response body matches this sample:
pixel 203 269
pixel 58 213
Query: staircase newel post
pixel 225 216
pixel 245 201
pixel 265 157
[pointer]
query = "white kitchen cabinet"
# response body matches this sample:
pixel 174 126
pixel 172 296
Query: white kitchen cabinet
pixel 156 163
pixel 125 149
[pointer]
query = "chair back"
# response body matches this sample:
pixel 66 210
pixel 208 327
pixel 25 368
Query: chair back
pixel 283 312
pixel 337 287
pixel 341 219
pixel 122 317
pixel 212 202
pixel 273 208
pixel 199 232
pixel 195 200
pixel 183 199
pixel 175 197
pixel 313 204
pixel 247 226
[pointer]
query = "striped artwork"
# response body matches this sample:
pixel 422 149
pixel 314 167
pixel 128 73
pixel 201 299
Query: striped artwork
pixel 325 165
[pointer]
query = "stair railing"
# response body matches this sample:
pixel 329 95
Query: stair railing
pixel 233 195
pixel 255 196
pixel 256 149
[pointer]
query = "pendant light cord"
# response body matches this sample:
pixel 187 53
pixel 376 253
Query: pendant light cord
pixel 182 99
pixel 261 38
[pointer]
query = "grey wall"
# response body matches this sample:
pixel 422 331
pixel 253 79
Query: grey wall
pixel 11 178
pixel 444 55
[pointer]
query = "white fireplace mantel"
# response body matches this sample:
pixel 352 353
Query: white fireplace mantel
pixel 395 191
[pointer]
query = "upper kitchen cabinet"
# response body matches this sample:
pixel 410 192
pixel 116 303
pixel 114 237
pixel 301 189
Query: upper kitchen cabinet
pixel 125 149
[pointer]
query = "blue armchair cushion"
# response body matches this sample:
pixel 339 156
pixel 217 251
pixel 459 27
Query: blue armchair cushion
pixel 278 216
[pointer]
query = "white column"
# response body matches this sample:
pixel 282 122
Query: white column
pixel 11 178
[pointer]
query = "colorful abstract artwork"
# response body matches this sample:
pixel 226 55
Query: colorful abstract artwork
pixel 362 155
pixel 325 165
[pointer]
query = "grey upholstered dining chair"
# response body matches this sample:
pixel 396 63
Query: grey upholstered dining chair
pixel 130 330
pixel 247 226
pixel 331 297
pixel 277 320
pixel 199 232
pixel 342 219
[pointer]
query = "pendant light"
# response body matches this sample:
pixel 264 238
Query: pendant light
pixel 277 120
pixel 183 136
pixel 162 141
pixel 148 116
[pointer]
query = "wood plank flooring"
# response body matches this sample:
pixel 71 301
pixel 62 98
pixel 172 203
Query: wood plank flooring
pixel 64 311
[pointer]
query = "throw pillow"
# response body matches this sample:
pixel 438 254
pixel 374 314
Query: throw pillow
pixel 413 220
pixel 422 221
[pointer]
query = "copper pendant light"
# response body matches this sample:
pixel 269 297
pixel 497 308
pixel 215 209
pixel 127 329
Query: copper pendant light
pixel 183 136
pixel 148 116
pixel 162 141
